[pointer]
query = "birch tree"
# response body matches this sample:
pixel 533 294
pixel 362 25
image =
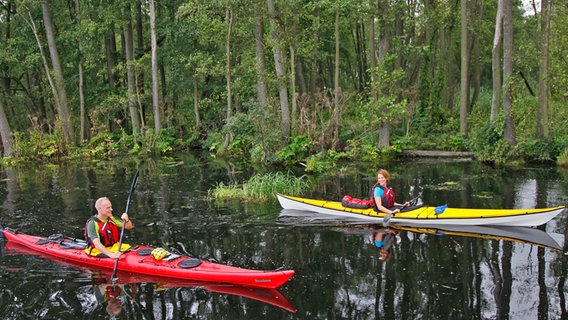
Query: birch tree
pixel 62 108
pixel 280 67
pixel 509 133
pixel 464 78
pixel 543 89
pixel 130 72
pixel 496 62
pixel 154 48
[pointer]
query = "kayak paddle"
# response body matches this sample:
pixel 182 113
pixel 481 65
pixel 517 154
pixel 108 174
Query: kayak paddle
pixel 123 223
pixel 387 217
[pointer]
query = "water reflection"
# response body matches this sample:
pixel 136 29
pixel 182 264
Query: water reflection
pixel 383 239
pixel 133 291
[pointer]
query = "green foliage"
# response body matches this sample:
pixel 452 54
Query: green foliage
pixel 38 147
pixel 563 159
pixel 325 161
pixel 225 192
pixel 415 87
pixel 489 145
pixel 298 149
pixel 539 150
pixel 112 145
pixel 260 187
pixel 255 135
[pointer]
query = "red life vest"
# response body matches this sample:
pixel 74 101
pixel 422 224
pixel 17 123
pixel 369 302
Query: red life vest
pixel 108 231
pixel 388 198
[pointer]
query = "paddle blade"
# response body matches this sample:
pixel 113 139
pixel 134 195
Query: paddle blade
pixel 386 219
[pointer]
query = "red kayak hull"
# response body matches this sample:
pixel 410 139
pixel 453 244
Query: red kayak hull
pixel 134 262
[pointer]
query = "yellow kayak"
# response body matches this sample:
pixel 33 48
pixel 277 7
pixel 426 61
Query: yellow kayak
pixel 425 215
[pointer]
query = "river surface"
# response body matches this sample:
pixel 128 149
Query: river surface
pixel 428 274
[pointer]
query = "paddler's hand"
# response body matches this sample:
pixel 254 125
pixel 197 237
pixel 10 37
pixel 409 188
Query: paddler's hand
pixel 115 255
pixel 128 224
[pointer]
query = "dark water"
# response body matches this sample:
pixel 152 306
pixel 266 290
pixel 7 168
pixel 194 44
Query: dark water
pixel 429 275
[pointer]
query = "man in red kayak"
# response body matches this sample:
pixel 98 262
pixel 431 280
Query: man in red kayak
pixel 102 231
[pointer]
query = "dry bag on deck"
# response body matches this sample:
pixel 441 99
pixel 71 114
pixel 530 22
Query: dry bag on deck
pixel 350 202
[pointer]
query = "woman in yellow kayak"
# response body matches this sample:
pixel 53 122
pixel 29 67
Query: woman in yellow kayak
pixel 102 231
pixel 383 195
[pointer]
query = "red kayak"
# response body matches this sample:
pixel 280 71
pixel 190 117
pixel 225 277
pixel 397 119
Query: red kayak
pixel 138 260
pixel 102 276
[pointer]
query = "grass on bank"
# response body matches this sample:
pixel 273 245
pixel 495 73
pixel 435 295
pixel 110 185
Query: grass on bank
pixel 260 187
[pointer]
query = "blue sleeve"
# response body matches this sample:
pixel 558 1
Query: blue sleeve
pixel 378 192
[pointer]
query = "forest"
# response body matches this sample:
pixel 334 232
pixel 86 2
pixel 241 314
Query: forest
pixel 276 81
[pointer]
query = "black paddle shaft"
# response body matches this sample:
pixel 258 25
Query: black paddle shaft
pixel 123 223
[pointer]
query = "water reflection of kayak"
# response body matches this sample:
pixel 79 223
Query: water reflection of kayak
pixel 139 261
pixel 526 235
pixel 426 215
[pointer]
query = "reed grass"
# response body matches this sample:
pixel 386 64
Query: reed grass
pixel 260 187
pixel 563 159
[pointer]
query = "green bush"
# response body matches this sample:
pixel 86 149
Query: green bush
pixel 489 145
pixel 538 150
pixel 260 187
pixel 563 159
pixel 297 150
pixel 36 146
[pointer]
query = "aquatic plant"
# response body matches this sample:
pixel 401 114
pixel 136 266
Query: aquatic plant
pixel 260 187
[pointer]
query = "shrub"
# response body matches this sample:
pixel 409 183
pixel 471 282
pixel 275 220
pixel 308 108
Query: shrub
pixel 489 145
pixel 538 150
pixel 260 187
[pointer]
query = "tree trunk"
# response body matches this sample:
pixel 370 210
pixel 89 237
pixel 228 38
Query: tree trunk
pixel 372 56
pixel 337 89
pixel 154 48
pixel 63 110
pixel 475 63
pixel 110 49
pixel 41 109
pixel 509 133
pixel 464 77
pixel 196 100
pixel 496 64
pixel 542 115
pixel 84 131
pixel 229 19
pixel 294 111
pixel 261 90
pixel 130 73
pixel 140 53
pixel 85 128
pixel 279 65
pixel 5 132
pixel 385 40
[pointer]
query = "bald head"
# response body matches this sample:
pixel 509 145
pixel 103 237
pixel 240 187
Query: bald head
pixel 100 202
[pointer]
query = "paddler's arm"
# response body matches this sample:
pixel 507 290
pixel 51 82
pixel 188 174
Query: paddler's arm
pixel 406 204
pixel 97 244
pixel 381 208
